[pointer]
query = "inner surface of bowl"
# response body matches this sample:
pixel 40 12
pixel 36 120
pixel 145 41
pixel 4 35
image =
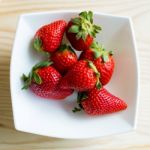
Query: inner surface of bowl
pixel 55 118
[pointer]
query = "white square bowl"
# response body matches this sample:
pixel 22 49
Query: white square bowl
pixel 54 118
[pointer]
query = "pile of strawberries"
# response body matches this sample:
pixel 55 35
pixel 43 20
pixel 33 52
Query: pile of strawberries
pixel 65 72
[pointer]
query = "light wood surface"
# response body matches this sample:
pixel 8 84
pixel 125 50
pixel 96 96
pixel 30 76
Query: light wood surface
pixel 10 139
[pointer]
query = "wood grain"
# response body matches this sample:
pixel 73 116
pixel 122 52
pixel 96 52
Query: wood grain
pixel 10 139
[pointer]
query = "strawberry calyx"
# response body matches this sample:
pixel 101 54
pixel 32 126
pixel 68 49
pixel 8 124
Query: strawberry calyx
pixel 99 51
pixel 76 109
pixel 33 74
pixel 98 83
pixel 83 26
pixel 80 97
pixel 111 53
pixel 37 44
pixel 64 47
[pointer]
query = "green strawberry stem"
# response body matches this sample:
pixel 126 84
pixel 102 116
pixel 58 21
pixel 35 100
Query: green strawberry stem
pixel 80 97
pixel 76 109
pixel 66 47
pixel 99 51
pixel 111 53
pixel 83 26
pixel 37 44
pixel 91 65
pixel 42 64
pixel 98 84
pixel 33 75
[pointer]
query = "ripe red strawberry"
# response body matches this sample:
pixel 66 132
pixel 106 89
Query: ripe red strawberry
pixel 102 59
pixel 48 38
pixel 43 81
pixel 45 92
pixel 83 76
pixel 81 31
pixel 64 58
pixel 60 93
pixel 100 101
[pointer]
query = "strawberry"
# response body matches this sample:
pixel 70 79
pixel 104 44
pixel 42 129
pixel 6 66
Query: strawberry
pixel 48 38
pixel 56 93
pixel 102 59
pixel 83 76
pixel 60 93
pixel 99 101
pixel 81 31
pixel 43 81
pixel 64 58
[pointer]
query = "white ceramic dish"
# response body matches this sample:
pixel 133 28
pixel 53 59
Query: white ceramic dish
pixel 54 118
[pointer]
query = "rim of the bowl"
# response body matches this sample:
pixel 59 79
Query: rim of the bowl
pixel 136 65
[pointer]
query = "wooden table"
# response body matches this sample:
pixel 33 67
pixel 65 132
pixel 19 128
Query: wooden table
pixel 10 139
